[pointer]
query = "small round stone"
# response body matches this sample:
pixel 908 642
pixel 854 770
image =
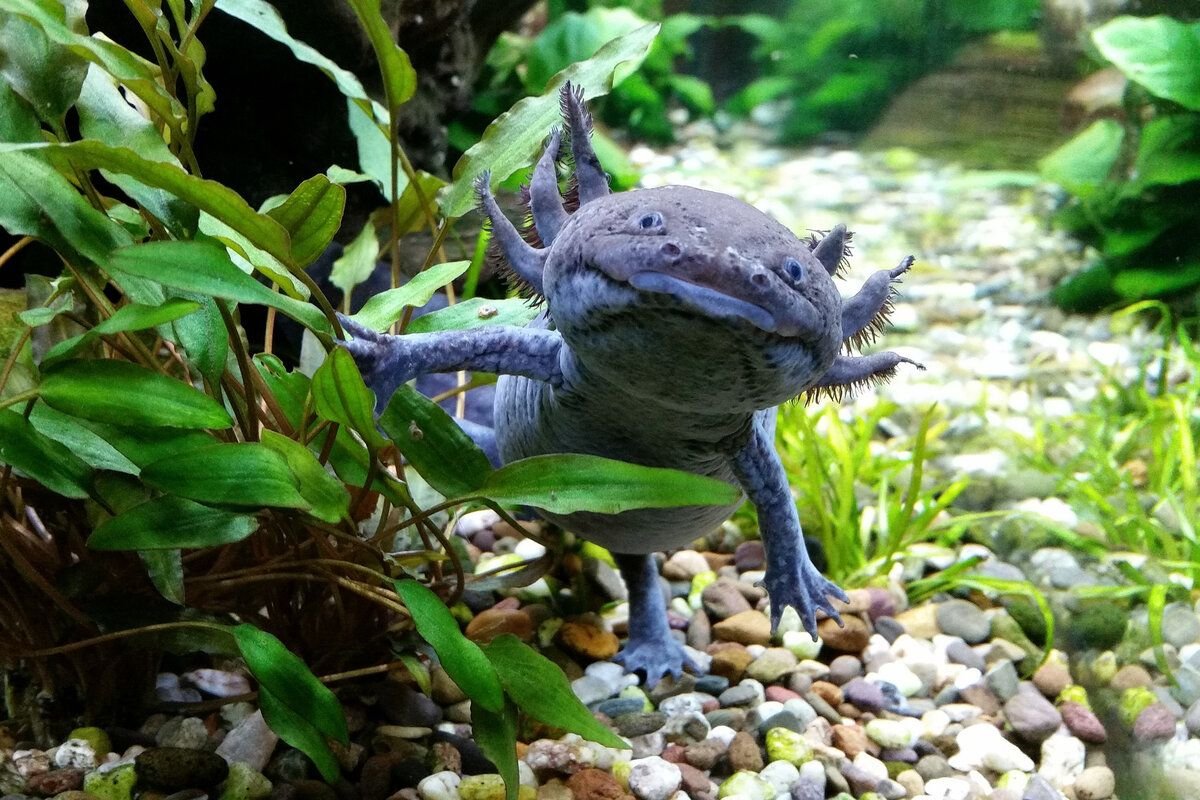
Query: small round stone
pixel 787 745
pixel 653 778
pixel 1095 783
pixel 963 619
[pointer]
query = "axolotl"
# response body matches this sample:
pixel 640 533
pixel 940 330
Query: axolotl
pixel 676 320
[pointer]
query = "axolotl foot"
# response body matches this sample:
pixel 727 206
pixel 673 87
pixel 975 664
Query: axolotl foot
pixel 654 657
pixel 804 589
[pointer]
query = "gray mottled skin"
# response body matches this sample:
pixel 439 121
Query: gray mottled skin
pixel 676 321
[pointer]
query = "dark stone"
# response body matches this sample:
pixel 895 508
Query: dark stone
pixel 749 556
pixel 403 705
pixel 173 768
pixel 309 789
pixel 960 652
pixel 55 781
pixel 640 723
pixel 934 766
pixel 864 696
pixel 474 762
pixel 712 684
pixel 889 628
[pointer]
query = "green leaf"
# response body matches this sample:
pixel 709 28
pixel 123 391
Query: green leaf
pixel 298 706
pixel 35 200
pixel 165 570
pixel 514 137
pixel 341 396
pixel 144 445
pixel 696 94
pixel 327 496
pixel 411 215
pixel 357 262
pixel 1082 165
pixel 311 215
pixel 105 115
pixel 215 198
pixel 125 394
pixel 386 307
pixel 171 523
pixel 399 78
pixel 41 458
pixel 80 440
pixel 232 474
pixel 1160 53
pixel 496 735
pixel 204 338
pixel 462 659
pixel 1137 284
pixel 132 317
pixel 435 445
pixel 1169 151
pixel 374 149
pixel 205 268
pixel 569 482
pixel 475 313
pixel 18 123
pixel 540 689
pixel 135 73
pixel 45 73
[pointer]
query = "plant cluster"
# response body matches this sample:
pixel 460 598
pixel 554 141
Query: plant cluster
pixel 163 484
pixel 1133 181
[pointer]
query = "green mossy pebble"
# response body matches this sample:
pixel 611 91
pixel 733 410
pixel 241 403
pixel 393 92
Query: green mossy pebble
pixel 98 739
pixel 490 787
pixel 699 583
pixel 894 768
pixel 174 768
pixel 245 783
pixel 871 796
pixel 1029 617
pixel 748 785
pixel 74 794
pixel 1104 667
pixel 636 692
pixel 1134 701
pixel 115 784
pixel 842 796
pixel 889 734
pixel 620 771
pixel 1074 694
pixel 1098 627
pixel 787 745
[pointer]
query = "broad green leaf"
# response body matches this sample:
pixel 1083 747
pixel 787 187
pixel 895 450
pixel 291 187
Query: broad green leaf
pixel 539 688
pixel 569 482
pixel 205 268
pixel 144 445
pixel 386 307
pixel 311 215
pixel 289 387
pixel 80 440
pixel 1169 151
pixel 1082 165
pixel 399 78
pixel 106 116
pixel 341 396
pixel 496 735
pixel 215 198
pixel 295 729
pixel 35 200
pixel 204 337
pixel 135 73
pixel 409 214
pixel 18 123
pixel 357 262
pixel 434 444
pixel 41 458
pixel 462 659
pixel 249 258
pixel 171 523
pixel 475 313
pixel 132 317
pixel 299 705
pixel 233 474
pixel 1160 53
pixel 123 393
pixel 374 149
pixel 513 138
pixel 45 73
pixel 327 496
pixel 1137 284
pixel 165 570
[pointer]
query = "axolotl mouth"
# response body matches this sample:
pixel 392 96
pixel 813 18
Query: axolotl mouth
pixel 710 302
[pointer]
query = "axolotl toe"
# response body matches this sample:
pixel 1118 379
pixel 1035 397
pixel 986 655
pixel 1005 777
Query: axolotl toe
pixel 675 321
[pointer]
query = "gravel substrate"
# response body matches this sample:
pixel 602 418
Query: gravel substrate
pixel 903 702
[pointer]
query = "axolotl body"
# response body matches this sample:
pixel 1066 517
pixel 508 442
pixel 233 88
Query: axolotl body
pixel 676 321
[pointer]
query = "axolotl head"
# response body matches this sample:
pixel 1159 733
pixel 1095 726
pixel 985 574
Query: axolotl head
pixel 692 298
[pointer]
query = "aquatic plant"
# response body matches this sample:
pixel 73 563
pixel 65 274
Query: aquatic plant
pixel 162 482
pixel 1133 181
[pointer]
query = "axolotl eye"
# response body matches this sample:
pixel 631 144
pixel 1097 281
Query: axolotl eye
pixel 794 269
pixel 650 221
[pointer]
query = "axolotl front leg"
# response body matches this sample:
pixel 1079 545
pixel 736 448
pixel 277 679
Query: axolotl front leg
pixel 791 578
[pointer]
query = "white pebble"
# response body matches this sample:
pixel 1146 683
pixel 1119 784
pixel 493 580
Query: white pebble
pixel 1062 760
pixel 983 745
pixel 948 789
pixel 439 786
pixel 783 775
pixel 722 733
pixel 75 753
pixel 899 675
pixel 654 778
